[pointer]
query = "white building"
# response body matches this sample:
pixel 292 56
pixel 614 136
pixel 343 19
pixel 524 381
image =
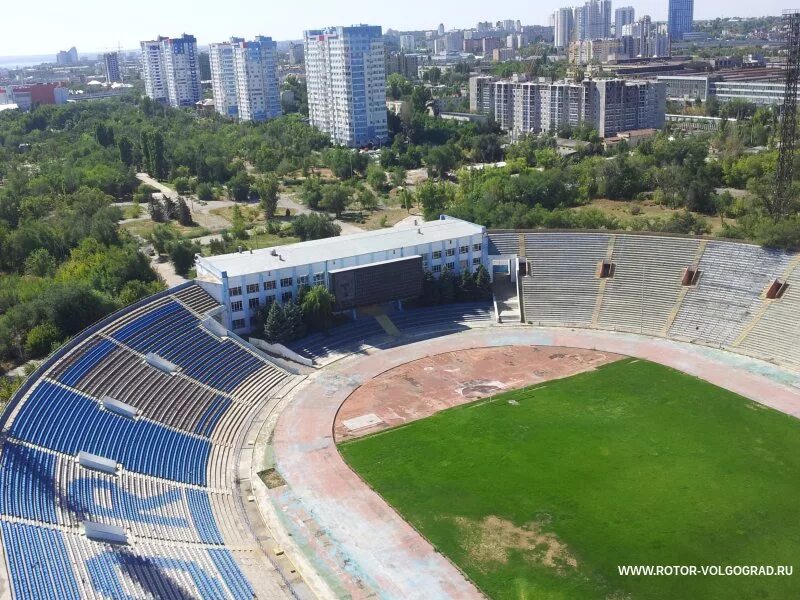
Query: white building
pixel 346 79
pixel 244 282
pixel 407 42
pixel 257 87
pixel 155 84
pixel 171 70
pixel 223 78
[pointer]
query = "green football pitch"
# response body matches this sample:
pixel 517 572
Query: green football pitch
pixel 543 492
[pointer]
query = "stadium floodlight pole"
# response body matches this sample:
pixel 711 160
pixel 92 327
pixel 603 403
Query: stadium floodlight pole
pixel 779 206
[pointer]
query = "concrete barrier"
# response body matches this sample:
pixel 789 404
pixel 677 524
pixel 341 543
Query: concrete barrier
pixel 281 350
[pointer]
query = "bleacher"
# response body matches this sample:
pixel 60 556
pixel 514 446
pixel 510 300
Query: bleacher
pixel 561 286
pixel 503 242
pixel 170 493
pixel 732 278
pixel 352 336
pixel 646 282
pixel 777 332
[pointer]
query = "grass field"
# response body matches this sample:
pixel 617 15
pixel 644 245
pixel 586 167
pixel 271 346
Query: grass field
pixel 540 493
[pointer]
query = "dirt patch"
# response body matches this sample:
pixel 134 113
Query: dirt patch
pixel 424 387
pixel 271 478
pixel 491 541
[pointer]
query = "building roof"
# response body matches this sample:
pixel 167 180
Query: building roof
pixel 316 251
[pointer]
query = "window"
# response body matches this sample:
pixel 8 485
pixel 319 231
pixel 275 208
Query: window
pixel 286 282
pixel 252 288
pixel 269 285
pixel 319 278
pixel 463 250
pixel 302 280
pixel 477 247
pixel 253 302
pixel 268 301
pixel 236 306
pixel 437 255
pixel 286 296
pixel 476 260
pixel 451 266
pixel 235 291
pixel 238 323
pixel 450 252
pixel 437 268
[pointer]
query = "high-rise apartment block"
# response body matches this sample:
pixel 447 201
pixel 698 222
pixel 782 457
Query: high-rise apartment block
pixel 680 14
pixel 563 27
pixel 171 70
pixel 111 64
pixel 223 77
pixel 610 106
pixel 591 21
pixel 623 16
pixel 346 80
pixel 257 87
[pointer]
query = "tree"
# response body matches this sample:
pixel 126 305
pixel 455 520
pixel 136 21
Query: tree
pixel 467 290
pixel 447 286
pixel 204 191
pixel 156 211
pixel 162 236
pixel 238 224
pixel 433 198
pixel 125 147
pixel 41 340
pixel 376 178
pixel 181 255
pixel 160 166
pixel 239 187
pixel 312 192
pixel 40 263
pixel 367 199
pixel 182 213
pixel 314 226
pixel 267 190
pixel 317 307
pixel 483 283
pixel 335 198
pixel 276 327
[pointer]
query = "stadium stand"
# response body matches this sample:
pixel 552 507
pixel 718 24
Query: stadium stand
pixel 561 287
pixel 646 282
pixel 171 492
pixel 351 336
pixel 732 278
pixel 724 305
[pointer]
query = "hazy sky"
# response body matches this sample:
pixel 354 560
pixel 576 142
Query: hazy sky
pixel 45 26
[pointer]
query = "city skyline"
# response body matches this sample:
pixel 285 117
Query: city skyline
pixel 65 28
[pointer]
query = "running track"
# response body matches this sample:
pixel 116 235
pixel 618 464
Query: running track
pixel 354 540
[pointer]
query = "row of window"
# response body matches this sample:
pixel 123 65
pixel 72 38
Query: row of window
pixel 252 288
pixel 254 303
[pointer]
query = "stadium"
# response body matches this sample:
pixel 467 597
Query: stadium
pixel 623 399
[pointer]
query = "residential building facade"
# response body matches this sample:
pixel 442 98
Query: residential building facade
pixel 257 87
pixel 223 78
pixel 610 106
pixel 111 64
pixel 346 81
pixel 171 70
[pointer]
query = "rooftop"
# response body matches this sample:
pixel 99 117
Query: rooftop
pixel 316 251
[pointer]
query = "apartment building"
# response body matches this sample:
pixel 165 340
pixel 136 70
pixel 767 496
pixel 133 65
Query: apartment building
pixel 346 79
pixel 223 77
pixel 111 64
pixel 171 70
pixel 257 87
pixel 609 105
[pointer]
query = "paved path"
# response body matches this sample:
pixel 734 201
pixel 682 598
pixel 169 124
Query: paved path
pixel 354 539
